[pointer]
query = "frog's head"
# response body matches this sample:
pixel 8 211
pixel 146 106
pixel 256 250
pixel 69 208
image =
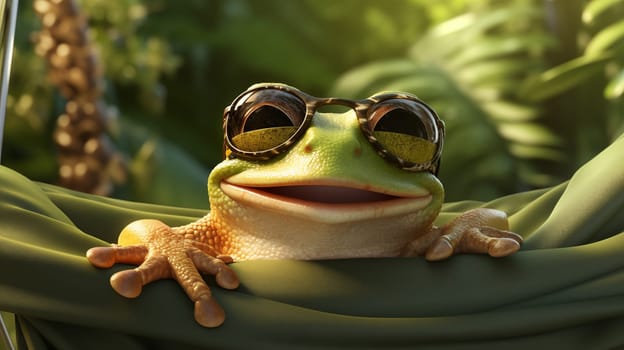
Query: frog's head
pixel 295 169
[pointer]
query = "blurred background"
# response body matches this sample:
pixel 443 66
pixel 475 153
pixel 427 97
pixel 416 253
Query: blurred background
pixel 529 89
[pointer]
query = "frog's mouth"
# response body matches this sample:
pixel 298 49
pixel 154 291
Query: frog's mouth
pixel 326 201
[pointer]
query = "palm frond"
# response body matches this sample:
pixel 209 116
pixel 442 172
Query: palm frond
pixel 470 69
pixel 600 64
pixel 604 48
pixel 565 76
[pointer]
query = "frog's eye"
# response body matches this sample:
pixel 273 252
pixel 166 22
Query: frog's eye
pixel 265 119
pixel 406 129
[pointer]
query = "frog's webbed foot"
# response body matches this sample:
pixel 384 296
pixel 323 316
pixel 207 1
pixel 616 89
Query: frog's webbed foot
pixel 481 230
pixel 163 253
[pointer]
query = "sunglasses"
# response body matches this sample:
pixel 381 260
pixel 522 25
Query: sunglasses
pixel 267 119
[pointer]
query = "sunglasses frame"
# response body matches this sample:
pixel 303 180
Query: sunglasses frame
pixel 312 104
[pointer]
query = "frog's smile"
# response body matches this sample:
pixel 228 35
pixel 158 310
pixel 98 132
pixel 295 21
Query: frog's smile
pixel 326 201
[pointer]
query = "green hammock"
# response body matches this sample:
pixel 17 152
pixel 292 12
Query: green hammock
pixel 564 290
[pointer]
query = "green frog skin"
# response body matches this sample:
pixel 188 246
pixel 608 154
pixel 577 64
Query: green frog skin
pixel 329 197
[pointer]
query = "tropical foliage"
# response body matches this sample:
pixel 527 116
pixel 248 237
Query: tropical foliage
pixel 470 69
pixel 528 89
pixel 523 106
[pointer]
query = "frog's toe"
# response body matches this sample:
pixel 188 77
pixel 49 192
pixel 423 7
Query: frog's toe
pixel 480 240
pixel 105 257
pixel 493 241
pixel 503 247
pixel 224 276
pixel 441 249
pixel 208 312
pixel 129 283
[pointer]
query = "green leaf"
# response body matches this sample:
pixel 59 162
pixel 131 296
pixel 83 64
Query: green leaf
pixel 615 88
pixel 161 172
pixel 164 174
pixel 606 39
pixel 564 77
pixel 529 133
pixel 537 152
pixel 484 72
pixel 597 7
pixel 356 81
pixel 474 23
pixel 428 83
pixel 511 112
pixel 453 35
pixel 529 174
pixel 489 48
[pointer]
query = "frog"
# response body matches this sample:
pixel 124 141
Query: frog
pixel 309 178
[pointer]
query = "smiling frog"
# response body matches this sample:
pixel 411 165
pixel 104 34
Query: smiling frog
pixel 298 183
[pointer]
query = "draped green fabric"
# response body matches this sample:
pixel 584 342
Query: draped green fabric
pixel 564 289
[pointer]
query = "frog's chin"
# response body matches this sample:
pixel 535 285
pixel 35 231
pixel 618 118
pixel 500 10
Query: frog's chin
pixel 326 202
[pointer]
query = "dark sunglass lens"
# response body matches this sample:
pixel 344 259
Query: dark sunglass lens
pixel 399 120
pixel 264 119
pixel 406 129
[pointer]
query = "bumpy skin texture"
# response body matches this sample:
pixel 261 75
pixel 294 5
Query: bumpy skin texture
pixel 310 219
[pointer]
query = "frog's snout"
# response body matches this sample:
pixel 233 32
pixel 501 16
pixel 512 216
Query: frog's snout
pixel 355 148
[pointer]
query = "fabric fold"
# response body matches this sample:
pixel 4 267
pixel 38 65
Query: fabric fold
pixel 564 289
